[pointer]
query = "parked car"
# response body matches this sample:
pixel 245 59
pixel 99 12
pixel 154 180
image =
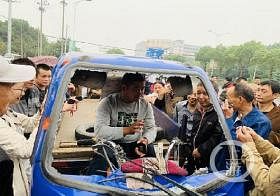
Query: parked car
pixel 60 159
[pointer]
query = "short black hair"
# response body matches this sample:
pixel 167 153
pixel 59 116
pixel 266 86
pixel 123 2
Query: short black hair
pixel 240 78
pixel 257 77
pixel 23 61
pixel 275 86
pixel 229 79
pixel 214 84
pixel 129 78
pixel 42 66
pixel 244 91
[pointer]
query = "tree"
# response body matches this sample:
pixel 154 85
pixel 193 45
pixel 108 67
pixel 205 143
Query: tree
pixel 245 55
pixel 272 61
pixel 2 47
pixel 248 59
pixel 25 40
pixel 175 57
pixel 204 56
pixel 115 51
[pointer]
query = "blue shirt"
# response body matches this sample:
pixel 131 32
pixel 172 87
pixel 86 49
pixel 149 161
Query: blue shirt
pixel 254 119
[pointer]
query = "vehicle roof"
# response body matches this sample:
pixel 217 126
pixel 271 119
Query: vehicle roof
pixel 124 61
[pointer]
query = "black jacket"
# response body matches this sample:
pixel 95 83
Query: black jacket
pixel 209 134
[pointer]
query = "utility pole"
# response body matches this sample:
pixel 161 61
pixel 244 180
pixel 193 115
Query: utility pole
pixel 9 42
pixel 75 16
pixel 66 38
pixel 21 42
pixel 42 5
pixel 62 26
pixel 9 34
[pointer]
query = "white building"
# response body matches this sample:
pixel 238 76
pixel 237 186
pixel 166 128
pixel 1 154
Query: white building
pixel 177 47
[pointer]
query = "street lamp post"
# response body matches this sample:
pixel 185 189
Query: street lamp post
pixel 62 25
pixel 64 3
pixel 42 5
pixel 75 14
pixel 9 42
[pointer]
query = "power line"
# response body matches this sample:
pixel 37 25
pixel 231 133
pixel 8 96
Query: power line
pixel 95 44
pixel 109 46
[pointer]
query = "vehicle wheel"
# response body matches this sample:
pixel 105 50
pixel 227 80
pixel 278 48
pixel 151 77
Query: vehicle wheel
pixel 85 131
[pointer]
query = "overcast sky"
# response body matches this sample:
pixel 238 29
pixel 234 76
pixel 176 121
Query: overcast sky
pixel 123 23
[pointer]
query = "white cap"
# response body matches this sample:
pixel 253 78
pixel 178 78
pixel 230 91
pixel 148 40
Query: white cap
pixel 12 73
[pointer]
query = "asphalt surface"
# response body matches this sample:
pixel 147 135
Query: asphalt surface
pixel 84 114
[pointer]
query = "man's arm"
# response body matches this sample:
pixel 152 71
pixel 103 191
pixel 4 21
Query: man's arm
pixel 149 125
pixel 14 143
pixel 263 176
pixel 102 126
pixel 28 123
pixel 267 151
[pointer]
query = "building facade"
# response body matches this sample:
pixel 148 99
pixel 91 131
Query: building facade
pixel 177 47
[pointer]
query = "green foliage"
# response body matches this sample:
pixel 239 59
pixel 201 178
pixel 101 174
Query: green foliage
pixel 114 51
pixel 174 57
pixel 248 60
pixel 204 56
pixel 2 47
pixel 25 40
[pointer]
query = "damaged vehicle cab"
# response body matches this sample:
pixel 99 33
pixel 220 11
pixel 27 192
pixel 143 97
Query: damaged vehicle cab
pixel 66 142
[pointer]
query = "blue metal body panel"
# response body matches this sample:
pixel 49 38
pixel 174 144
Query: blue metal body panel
pixel 42 184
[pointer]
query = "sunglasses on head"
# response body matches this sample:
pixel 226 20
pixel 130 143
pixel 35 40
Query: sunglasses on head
pixel 237 124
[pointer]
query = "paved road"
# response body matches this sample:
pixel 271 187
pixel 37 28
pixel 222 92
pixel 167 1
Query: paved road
pixel 85 114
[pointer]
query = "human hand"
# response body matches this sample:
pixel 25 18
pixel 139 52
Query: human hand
pixel 243 135
pixel 151 97
pixel 252 133
pixel 70 106
pixel 227 109
pixel 196 154
pixel 143 140
pixel 71 87
pixel 136 127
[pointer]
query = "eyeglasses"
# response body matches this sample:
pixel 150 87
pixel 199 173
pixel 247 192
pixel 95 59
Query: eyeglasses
pixel 22 90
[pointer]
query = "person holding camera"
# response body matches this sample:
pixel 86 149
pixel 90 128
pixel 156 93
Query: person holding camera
pixel 13 145
pixel 262 161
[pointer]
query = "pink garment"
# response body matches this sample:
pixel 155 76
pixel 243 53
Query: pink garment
pixel 136 166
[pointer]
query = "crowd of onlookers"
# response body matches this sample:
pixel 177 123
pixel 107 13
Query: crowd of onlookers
pixel 251 111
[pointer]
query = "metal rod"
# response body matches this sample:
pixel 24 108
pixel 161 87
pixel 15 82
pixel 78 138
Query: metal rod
pixel 9 41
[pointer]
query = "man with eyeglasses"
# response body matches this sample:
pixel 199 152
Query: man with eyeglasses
pixel 12 143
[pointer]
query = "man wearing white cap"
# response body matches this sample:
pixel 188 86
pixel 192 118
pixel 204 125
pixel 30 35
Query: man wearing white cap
pixel 14 145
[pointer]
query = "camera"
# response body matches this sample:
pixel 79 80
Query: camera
pixel 142 148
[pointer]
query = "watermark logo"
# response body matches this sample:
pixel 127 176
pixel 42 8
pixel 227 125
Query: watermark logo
pixel 240 177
